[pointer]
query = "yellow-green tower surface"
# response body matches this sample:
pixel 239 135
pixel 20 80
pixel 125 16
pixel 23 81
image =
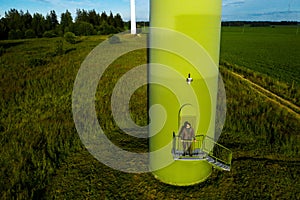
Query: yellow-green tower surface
pixel 187 45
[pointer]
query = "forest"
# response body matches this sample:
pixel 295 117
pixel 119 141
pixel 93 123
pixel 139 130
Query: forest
pixel 22 25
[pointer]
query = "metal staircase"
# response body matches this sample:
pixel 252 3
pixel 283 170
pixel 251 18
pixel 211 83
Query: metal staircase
pixel 203 148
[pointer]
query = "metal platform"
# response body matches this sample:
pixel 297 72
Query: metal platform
pixel 203 148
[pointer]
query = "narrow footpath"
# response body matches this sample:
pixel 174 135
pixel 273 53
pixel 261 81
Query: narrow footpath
pixel 289 106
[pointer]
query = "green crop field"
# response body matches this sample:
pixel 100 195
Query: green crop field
pixel 271 51
pixel 268 56
pixel 42 157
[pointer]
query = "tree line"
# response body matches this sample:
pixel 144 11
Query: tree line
pixel 258 23
pixel 18 25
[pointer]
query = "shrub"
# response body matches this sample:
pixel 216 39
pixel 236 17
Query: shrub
pixel 49 34
pixel 30 33
pixel 106 29
pixel 15 34
pixel 12 34
pixel 59 49
pixel 20 34
pixel 83 28
pixel 70 37
pixel 2 51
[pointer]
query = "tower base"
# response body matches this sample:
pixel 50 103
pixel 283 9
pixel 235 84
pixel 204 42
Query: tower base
pixel 184 173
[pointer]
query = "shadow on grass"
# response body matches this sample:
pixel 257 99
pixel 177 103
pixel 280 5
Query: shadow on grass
pixel 79 41
pixel 9 43
pixel 69 50
pixel 262 159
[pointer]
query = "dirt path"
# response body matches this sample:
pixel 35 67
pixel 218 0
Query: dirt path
pixel 289 106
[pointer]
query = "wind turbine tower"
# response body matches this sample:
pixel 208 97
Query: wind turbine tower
pixel 133 21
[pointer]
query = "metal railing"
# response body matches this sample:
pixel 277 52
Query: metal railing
pixel 203 147
pixel 195 146
pixel 217 151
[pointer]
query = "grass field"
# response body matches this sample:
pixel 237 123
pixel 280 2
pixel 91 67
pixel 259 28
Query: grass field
pixel 42 156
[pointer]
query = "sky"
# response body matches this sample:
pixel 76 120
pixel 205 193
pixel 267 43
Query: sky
pixel 232 10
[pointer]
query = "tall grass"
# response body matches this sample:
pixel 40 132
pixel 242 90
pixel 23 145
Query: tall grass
pixel 37 129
